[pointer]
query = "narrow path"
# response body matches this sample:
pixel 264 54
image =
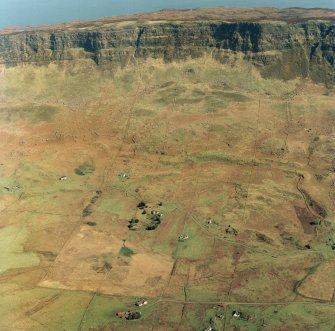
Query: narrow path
pixel 253 160
pixel 85 312
pixel 274 303
pixel 187 214
pixel 104 183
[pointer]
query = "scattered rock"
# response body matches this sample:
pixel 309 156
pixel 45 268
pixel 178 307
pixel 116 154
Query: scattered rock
pixel 104 268
pixel 91 223
pixel 231 230
pixel 264 238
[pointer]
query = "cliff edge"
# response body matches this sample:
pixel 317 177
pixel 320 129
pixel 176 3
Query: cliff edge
pixel 302 43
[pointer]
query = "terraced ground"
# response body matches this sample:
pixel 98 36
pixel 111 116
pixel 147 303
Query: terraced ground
pixel 241 165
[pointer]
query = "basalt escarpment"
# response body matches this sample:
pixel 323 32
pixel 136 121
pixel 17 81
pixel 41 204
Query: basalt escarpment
pixel 279 49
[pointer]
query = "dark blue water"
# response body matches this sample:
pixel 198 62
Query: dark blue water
pixel 35 12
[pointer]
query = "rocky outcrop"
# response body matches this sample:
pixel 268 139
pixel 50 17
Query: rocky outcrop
pixel 279 49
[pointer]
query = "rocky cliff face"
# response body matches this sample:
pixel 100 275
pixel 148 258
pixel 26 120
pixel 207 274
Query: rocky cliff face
pixel 278 49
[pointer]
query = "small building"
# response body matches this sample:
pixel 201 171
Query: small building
pixel 236 314
pixel 183 237
pixel 63 178
pixel 241 315
pixel 141 303
pixel 123 314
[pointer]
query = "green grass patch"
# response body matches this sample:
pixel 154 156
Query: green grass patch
pixel 181 134
pixel 307 316
pixel 214 105
pixel 118 205
pixel 64 81
pixel 202 294
pixel 12 254
pixel 142 112
pixel 102 311
pixel 84 169
pixel 188 101
pixel 222 196
pixel 198 92
pixel 126 251
pixel 29 112
pixel 216 157
pixel 216 128
pixel 64 313
pixel 170 94
pixel 231 96
pixel 195 246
